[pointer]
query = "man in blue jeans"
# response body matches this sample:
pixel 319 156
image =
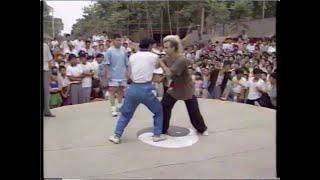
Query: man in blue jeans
pixel 141 67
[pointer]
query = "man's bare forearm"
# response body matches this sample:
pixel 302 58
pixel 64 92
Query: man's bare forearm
pixel 165 68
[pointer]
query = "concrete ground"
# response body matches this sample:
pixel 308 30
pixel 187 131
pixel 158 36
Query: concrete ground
pixel 241 144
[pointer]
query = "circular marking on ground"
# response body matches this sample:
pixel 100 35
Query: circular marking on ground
pixel 177 137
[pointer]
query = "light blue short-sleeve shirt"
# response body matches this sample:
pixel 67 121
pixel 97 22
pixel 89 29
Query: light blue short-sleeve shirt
pixel 117 61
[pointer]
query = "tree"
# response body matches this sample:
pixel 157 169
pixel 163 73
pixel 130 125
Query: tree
pixel 47 21
pixel 129 16
pixel 241 10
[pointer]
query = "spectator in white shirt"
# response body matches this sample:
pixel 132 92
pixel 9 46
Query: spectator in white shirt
pixel 271 49
pixel 64 46
pixel 87 72
pixel 101 49
pixel 64 83
pixel 71 49
pixel 54 44
pixel 272 89
pixel 88 49
pixel 250 47
pixel 74 73
pixel 256 87
pixel 127 49
pixel 237 89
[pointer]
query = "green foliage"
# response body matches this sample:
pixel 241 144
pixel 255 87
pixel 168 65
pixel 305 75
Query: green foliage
pixel 119 16
pixel 47 21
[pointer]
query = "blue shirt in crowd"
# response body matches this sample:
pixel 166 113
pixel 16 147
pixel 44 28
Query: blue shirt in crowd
pixel 117 61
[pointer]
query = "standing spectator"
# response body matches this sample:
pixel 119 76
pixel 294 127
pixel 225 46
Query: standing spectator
pixel 256 87
pixel 101 49
pixel 198 85
pixel 64 45
pixel 71 49
pixel 87 72
pixel 103 77
pixel 96 85
pixel 64 83
pixel 127 49
pixel 54 44
pixel 272 48
pixel 57 58
pixel 74 73
pixel 219 79
pixel 206 77
pixel 117 61
pixel 250 47
pixel 243 36
pixel 88 49
pixel 95 49
pixel 272 90
pixel 264 47
pixel 47 57
pixel 237 86
pixel 55 98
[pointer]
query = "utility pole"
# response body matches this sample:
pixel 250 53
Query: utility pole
pixel 202 22
pixel 177 19
pixel 169 16
pixel 263 8
pixel 161 24
pixel 52 24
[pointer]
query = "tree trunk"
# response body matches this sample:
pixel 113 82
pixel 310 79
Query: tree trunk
pixel 168 7
pixel 161 24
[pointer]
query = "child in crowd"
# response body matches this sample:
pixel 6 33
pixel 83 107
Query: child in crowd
pixel 198 84
pixel 55 98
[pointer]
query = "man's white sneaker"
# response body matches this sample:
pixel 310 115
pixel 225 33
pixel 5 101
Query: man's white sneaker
pixel 118 107
pixel 114 139
pixel 114 111
pixel 158 138
pixel 205 133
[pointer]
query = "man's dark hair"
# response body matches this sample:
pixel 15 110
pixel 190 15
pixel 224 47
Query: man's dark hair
pixel 263 72
pixel 145 43
pixel 81 52
pixel 257 71
pixel 239 71
pixel 225 63
pixel 99 55
pixel 61 67
pixel 87 41
pixel 67 35
pixel 83 55
pixel 72 56
pixel 116 36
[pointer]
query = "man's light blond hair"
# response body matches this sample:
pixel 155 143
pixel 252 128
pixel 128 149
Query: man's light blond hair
pixel 174 39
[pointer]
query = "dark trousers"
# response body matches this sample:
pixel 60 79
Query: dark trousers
pixel 252 101
pixel 193 110
pixel 165 88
